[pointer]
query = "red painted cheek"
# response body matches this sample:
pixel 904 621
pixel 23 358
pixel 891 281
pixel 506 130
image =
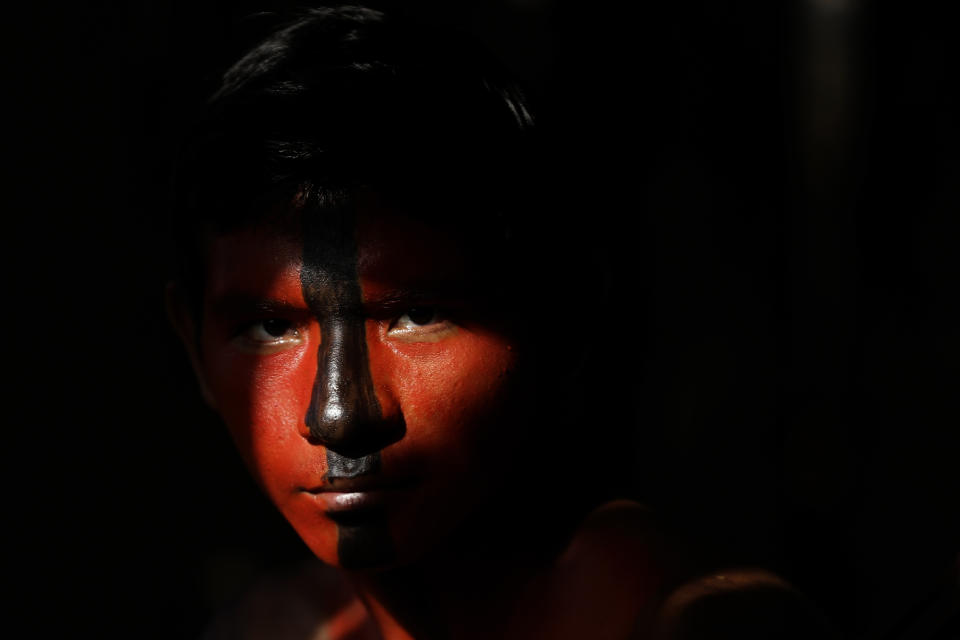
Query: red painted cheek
pixel 263 401
pixel 444 390
pixel 458 385
pixel 451 394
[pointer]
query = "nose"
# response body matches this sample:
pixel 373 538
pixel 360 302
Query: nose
pixel 344 414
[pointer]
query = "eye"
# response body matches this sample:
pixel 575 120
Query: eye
pixel 270 335
pixel 421 324
pixel 419 316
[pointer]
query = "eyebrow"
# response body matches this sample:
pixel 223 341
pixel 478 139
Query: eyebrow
pixel 385 302
pixel 422 292
pixel 238 304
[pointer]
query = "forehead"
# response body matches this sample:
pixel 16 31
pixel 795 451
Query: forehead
pixel 392 245
pixel 388 246
pixel 253 259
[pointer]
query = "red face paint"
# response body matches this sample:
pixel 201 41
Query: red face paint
pixel 440 373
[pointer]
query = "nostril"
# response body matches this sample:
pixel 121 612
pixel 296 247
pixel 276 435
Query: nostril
pixel 368 438
pixel 352 452
pixel 361 438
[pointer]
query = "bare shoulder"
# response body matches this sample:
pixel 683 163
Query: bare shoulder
pixel 311 602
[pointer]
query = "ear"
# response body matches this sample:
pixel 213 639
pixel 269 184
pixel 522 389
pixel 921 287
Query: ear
pixel 183 320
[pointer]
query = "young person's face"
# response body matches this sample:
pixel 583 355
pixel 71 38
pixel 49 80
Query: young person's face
pixel 366 374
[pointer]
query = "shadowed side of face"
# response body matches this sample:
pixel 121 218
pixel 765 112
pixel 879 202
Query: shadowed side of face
pixel 366 370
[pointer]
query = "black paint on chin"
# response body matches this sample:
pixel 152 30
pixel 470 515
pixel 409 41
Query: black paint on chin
pixel 366 543
pixel 344 415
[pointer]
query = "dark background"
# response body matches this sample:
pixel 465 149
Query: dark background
pixel 779 187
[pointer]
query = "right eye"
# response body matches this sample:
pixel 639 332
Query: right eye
pixel 270 335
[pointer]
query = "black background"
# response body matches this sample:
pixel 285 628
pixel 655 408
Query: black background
pixel 780 188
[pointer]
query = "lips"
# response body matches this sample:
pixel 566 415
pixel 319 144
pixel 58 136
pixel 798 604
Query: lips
pixel 357 494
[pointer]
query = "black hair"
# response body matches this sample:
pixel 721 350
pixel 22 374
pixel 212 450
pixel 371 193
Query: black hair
pixel 335 100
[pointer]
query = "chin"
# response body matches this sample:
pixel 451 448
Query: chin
pixel 355 542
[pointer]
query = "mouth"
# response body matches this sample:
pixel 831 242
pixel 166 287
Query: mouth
pixel 358 493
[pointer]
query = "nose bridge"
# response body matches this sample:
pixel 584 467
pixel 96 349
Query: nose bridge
pixel 344 410
pixel 344 414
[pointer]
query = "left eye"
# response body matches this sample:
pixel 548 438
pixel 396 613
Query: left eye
pixel 418 316
pixel 421 324
pixel 270 335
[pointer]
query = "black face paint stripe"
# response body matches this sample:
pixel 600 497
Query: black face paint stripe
pixel 343 404
pixel 344 414
pixel 363 540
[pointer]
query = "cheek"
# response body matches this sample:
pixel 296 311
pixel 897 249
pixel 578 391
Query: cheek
pixel 451 395
pixel 446 390
pixel 263 401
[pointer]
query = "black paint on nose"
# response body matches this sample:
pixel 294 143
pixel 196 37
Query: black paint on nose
pixel 344 414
